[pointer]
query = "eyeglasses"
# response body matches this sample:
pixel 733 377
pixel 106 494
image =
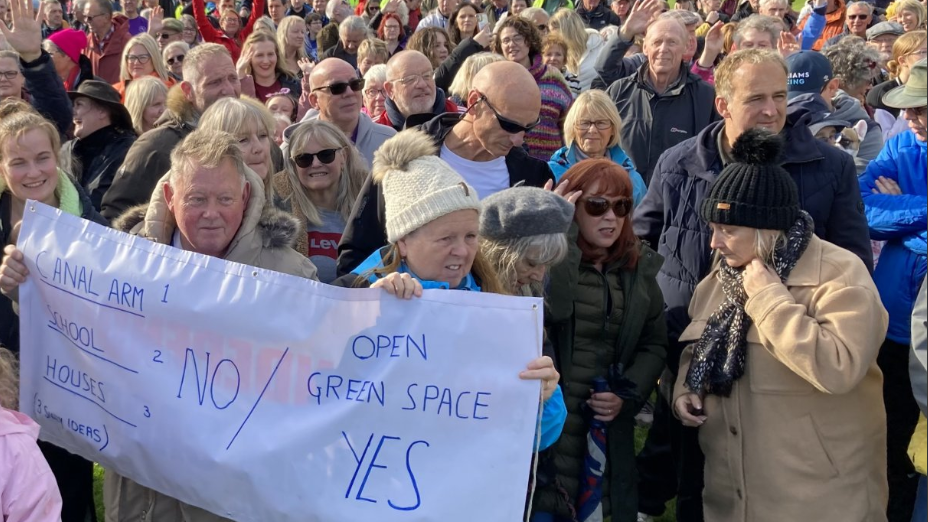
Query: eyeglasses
pixel 90 18
pixel 597 206
pixel 138 58
pixel 338 88
pixel 165 36
pixel 515 40
pixel 858 17
pixel 506 124
pixel 305 160
pixel 191 30
pixel 175 59
pixel 9 75
pixel 373 8
pixel 599 124
pixel 542 27
pixel 413 79
pixel 370 93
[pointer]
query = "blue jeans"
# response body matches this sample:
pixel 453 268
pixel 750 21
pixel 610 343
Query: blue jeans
pixel 921 509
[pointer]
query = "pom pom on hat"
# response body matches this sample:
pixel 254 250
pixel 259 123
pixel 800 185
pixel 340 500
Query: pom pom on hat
pixel 754 191
pixel 418 186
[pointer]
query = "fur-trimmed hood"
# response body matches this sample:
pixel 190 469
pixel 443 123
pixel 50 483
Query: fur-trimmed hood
pixel 265 238
pixel 179 111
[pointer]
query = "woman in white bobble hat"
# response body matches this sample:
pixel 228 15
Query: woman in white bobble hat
pixel 433 221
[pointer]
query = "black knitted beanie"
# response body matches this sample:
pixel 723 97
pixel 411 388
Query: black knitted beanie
pixel 753 191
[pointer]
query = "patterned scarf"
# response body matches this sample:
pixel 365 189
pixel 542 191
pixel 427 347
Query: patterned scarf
pixel 719 355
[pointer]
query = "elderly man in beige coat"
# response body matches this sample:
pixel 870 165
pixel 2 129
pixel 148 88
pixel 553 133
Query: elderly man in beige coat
pixel 781 376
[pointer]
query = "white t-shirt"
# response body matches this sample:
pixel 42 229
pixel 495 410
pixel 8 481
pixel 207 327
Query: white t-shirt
pixel 487 177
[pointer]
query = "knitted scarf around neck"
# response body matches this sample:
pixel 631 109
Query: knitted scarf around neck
pixel 720 354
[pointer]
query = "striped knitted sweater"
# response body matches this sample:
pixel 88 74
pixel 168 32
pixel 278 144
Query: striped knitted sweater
pixel 545 139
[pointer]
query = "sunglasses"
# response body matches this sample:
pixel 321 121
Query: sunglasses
pixel 596 206
pixel 165 36
pixel 506 124
pixel 357 85
pixel 305 160
pixel 176 59
pixel 857 17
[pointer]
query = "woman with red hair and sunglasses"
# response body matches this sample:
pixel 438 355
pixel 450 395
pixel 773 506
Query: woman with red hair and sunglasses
pixel 605 317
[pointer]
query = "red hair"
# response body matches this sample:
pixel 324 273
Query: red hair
pixel 383 23
pixel 612 181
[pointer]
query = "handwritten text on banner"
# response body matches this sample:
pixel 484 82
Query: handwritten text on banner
pixel 259 396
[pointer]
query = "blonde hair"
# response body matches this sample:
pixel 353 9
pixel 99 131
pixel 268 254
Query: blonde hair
pixel 151 47
pixel 354 170
pixel 205 147
pixel 139 95
pixel 593 105
pixel 282 29
pixel 20 119
pixel 373 47
pixel 905 45
pixel 9 380
pixel 235 117
pixel 505 256
pixel 264 36
pixel 463 80
pixel 908 5
pixel 765 244
pixel 572 29
pixel 730 65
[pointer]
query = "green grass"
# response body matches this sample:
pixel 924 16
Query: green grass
pixel 640 436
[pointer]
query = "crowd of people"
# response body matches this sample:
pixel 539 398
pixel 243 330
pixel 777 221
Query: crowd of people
pixel 723 204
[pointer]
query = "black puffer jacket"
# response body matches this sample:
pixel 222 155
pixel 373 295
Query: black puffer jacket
pixel 96 158
pixel 366 230
pixel 652 123
pixel 599 17
pixel 668 217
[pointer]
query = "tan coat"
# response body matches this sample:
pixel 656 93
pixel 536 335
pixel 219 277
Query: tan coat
pixel 264 239
pixel 803 435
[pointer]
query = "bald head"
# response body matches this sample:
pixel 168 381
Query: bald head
pixel 500 80
pixel 403 61
pixel 329 71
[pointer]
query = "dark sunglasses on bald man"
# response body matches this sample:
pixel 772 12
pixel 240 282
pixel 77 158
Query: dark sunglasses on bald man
pixel 305 160
pixel 597 206
pixel 506 124
pixel 337 88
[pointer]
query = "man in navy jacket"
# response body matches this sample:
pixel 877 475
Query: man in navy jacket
pixel 751 90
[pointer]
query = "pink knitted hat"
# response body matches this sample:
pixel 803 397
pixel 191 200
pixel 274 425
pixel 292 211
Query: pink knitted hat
pixel 71 42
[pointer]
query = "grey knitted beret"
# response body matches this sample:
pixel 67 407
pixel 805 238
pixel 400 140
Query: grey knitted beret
pixel 524 211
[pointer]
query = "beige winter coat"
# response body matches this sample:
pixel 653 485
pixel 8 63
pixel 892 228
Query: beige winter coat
pixel 803 434
pixel 264 239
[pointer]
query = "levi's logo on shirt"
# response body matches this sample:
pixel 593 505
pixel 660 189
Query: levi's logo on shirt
pixel 323 244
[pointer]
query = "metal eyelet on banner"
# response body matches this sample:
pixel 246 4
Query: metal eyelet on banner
pixel 32 208
pixel 254 274
pixel 534 307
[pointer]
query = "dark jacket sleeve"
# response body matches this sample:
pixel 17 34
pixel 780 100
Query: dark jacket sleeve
pixel 847 222
pixel 564 277
pixel 366 229
pixel 611 64
pixel 526 170
pixel 648 219
pixel 446 71
pixel 146 162
pixel 651 351
pixel 48 95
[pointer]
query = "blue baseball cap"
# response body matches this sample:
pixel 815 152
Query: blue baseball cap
pixel 809 71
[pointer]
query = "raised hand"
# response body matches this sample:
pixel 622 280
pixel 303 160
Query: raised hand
pixel 25 33
pixel 714 42
pixel 639 18
pixel 156 22
pixel 391 6
pixel 787 44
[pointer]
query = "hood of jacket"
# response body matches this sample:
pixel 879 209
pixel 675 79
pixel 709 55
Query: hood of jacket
pixel 14 422
pixel 276 228
pixel 178 110
pixel 848 108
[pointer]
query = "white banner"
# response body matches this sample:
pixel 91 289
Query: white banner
pixel 265 397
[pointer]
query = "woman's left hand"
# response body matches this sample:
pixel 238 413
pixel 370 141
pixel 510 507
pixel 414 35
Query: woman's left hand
pixel 757 276
pixel 606 405
pixel 542 369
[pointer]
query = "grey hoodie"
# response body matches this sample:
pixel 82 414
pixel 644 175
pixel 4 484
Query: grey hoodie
pixel 849 109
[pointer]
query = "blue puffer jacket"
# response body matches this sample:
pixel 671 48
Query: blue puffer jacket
pixel 901 221
pixel 668 217
pixel 566 157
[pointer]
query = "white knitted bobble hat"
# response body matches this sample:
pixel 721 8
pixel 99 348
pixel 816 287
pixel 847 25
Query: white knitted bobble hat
pixel 418 186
